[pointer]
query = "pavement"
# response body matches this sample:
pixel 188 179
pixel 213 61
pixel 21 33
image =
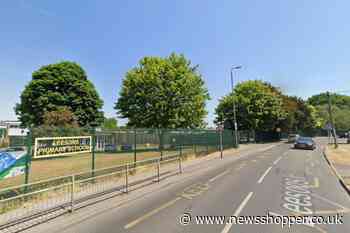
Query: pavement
pixel 339 161
pixel 272 180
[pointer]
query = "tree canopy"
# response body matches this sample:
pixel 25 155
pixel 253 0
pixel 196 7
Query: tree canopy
pixel 340 109
pixel 54 86
pixel 259 106
pixel 336 99
pixel 62 117
pixel 300 116
pixel 110 123
pixel 163 93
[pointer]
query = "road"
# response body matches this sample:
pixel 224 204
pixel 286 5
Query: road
pixel 280 181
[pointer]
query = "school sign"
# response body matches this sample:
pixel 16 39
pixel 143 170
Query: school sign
pixel 60 146
pixel 12 163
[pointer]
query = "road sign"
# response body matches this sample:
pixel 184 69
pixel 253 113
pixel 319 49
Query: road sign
pixel 219 128
pixel 328 126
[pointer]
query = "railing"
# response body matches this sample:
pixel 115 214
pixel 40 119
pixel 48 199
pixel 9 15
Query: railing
pixel 21 203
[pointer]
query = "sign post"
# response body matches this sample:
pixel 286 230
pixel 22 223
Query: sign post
pixel 28 156
pixel 220 129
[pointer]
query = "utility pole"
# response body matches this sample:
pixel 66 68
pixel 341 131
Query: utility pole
pixel 332 120
pixel 233 69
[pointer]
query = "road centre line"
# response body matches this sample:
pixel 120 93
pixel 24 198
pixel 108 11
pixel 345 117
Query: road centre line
pixel 151 213
pixel 237 212
pixel 277 160
pixel 218 176
pixel 263 175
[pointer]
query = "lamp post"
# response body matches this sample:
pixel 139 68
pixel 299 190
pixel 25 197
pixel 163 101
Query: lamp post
pixel 233 71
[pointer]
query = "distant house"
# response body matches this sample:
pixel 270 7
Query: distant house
pixel 15 134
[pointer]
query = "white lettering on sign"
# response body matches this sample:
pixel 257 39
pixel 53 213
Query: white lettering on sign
pixel 58 146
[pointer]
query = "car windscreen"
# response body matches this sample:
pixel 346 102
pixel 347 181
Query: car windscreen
pixel 304 140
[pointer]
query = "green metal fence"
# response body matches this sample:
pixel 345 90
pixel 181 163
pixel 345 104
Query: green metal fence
pixel 113 148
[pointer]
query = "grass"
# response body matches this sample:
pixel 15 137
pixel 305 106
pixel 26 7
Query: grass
pixel 341 157
pixel 68 165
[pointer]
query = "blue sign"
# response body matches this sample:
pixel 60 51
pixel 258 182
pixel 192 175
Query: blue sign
pixel 6 161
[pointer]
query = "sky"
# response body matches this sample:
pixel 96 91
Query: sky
pixel 301 46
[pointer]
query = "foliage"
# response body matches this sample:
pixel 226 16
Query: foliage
pixel 340 109
pixel 259 106
pixel 341 116
pixel 62 117
pixel 301 117
pixel 54 131
pixel 110 123
pixel 63 84
pixel 163 93
pixel 336 99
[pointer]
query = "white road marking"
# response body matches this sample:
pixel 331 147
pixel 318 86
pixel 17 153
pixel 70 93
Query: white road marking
pixel 237 212
pixel 218 176
pixel 277 160
pixel 263 175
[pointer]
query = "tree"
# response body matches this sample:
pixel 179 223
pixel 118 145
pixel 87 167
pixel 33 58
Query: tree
pixel 63 84
pixel 163 93
pixel 301 116
pixel 259 106
pixel 62 117
pixel 337 100
pixel 340 109
pixel 110 123
pixel 340 115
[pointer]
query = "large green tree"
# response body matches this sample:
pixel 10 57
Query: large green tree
pixel 259 106
pixel 54 86
pixel 163 93
pixel 340 109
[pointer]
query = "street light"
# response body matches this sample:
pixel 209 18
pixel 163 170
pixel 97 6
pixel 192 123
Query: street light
pixel 233 69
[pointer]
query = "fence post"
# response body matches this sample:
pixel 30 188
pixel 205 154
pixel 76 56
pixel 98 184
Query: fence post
pixel 93 151
pixel 158 171
pixel 180 165
pixel 207 141
pixel 221 146
pixel 126 178
pixel 161 144
pixel 72 194
pixel 135 144
pixel 28 156
pixel 180 148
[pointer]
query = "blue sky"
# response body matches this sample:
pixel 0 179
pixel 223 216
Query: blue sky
pixel 302 46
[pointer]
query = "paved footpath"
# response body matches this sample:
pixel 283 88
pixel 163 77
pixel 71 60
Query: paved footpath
pixel 275 179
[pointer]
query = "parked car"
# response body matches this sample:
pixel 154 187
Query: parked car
pixel 343 135
pixel 292 137
pixel 305 143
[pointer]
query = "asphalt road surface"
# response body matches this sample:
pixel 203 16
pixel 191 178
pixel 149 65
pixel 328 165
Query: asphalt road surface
pixel 279 181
